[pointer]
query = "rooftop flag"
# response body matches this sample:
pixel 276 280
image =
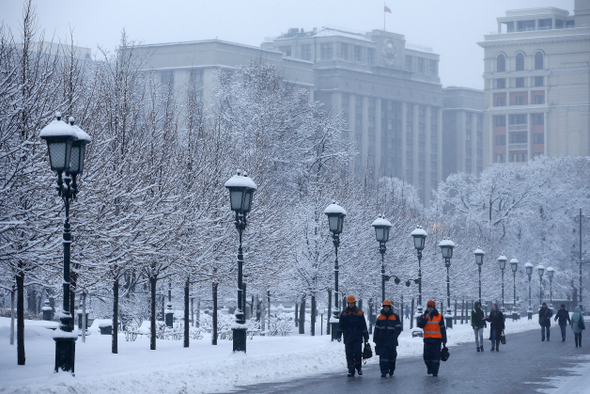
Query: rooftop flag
pixel 386 9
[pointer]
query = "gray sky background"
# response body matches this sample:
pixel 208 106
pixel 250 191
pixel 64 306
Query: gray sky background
pixel 451 28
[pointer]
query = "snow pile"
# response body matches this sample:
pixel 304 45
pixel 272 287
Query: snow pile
pixel 201 368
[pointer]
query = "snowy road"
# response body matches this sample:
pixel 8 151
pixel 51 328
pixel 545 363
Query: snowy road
pixel 523 365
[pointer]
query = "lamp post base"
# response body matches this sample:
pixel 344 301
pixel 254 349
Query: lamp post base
pixel 334 330
pixel 530 314
pixel 65 354
pixel 239 338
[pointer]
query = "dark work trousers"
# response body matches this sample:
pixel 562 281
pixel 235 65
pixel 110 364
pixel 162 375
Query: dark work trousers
pixel 353 355
pixel 387 356
pixel 543 329
pixel 432 354
pixel 563 330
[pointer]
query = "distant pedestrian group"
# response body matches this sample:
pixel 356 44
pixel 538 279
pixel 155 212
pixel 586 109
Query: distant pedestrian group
pixel 352 328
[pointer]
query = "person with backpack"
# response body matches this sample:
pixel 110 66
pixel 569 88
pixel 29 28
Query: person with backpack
pixel 435 333
pixel 387 329
pixel 564 319
pixel 478 323
pixel 578 325
pixel 545 321
pixel 353 327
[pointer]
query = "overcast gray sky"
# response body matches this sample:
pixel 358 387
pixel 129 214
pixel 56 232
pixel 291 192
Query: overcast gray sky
pixel 451 28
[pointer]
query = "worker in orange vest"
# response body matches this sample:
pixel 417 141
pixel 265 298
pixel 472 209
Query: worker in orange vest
pixel 435 334
pixel 387 329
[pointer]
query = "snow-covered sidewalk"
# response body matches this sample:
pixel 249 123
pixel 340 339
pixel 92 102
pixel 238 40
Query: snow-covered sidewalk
pixel 201 368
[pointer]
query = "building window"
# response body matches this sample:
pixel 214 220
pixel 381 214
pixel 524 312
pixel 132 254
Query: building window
pixel 196 77
pixel 357 53
pixel 539 81
pixel 520 61
pixel 519 100
pixel 286 50
pixel 500 63
pixel 370 56
pixel 518 138
pixel 518 157
pixel 344 51
pixel 167 77
pixel 421 65
pixel 500 158
pixel 501 83
pixel 519 82
pixel 358 103
pixel 539 99
pixel 544 24
pixel 539 61
pixel 538 118
pixel 433 67
pixel 500 120
pixel 358 122
pixel 501 139
pixel 518 119
pixel 306 51
pixel 525 25
pixel 326 51
pixel 539 138
pixel 409 64
pixel 559 23
pixel 345 101
pixel 500 101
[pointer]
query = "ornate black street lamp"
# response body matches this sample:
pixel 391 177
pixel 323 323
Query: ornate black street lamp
pixel 66 144
pixel 514 268
pixel 241 189
pixel 419 235
pixel 479 261
pixel 446 247
pixel 540 271
pixel 529 271
pixel 336 216
pixel 502 263
pixel 550 272
pixel 382 227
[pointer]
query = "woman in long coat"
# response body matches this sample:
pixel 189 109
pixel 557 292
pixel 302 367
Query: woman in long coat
pixel 577 330
pixel 496 320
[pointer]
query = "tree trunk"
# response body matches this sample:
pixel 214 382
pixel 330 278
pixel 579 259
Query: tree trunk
pixel 198 319
pixel 302 315
pixel 84 317
pixel 214 330
pixel 187 285
pixel 115 337
pixel 296 314
pixel 20 317
pixel 153 281
pixel 313 315
pixel 12 313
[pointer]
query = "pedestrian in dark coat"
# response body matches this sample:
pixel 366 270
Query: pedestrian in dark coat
pixel 576 317
pixel 496 319
pixel 478 324
pixel 387 329
pixel 564 319
pixel 435 333
pixel 545 321
pixel 353 327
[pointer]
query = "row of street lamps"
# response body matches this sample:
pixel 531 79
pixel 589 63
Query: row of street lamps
pixel 66 144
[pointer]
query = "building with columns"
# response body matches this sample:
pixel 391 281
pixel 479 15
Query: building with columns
pixel 537 84
pixel 388 90
pixel 389 93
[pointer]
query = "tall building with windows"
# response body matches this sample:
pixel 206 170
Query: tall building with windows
pixel 462 131
pixel 537 84
pixel 389 93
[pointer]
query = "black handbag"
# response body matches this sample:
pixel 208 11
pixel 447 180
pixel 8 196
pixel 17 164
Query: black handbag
pixel 367 352
pixel 581 324
pixel 444 354
pixel 503 338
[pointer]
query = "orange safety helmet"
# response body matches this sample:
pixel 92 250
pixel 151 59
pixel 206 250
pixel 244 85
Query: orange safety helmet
pixel 350 299
pixel 386 303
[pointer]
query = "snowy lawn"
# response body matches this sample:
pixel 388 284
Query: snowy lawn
pixel 201 368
